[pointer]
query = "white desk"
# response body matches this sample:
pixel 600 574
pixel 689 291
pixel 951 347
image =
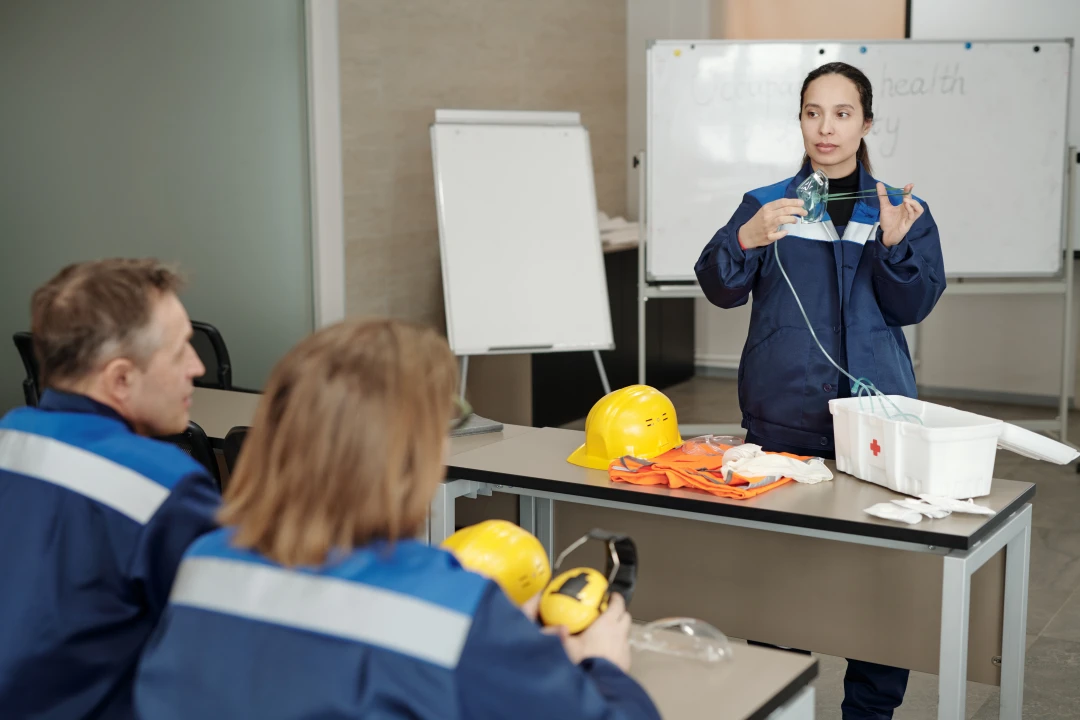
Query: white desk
pixel 533 465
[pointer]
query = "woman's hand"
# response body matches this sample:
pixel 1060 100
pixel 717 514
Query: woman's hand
pixel 531 608
pixel 896 220
pixel 764 228
pixel 608 637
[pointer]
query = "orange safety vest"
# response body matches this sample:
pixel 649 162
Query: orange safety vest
pixel 678 469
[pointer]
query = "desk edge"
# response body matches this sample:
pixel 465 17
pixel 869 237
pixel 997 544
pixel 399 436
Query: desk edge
pixel 802 680
pixel 905 534
pixel 999 519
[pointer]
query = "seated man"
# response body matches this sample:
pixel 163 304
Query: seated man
pixel 95 515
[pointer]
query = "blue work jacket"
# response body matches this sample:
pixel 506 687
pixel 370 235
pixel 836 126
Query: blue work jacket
pixel 94 520
pixel 382 631
pixel 858 295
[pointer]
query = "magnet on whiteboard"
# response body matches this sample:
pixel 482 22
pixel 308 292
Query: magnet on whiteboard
pixel 678 52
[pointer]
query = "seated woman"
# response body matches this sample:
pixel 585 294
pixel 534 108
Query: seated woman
pixel 315 600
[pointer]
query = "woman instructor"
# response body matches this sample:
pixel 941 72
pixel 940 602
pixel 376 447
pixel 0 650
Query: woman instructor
pixel 872 266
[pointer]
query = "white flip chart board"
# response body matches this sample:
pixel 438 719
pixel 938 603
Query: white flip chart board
pixel 523 268
pixel 978 127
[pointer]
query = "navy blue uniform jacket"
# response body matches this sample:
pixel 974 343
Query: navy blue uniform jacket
pixel 858 295
pixel 378 632
pixel 93 522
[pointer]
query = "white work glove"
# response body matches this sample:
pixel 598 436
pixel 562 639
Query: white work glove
pixel 809 472
pixel 741 452
pixel 960 506
pixel 889 511
pixel 910 510
pixel 931 511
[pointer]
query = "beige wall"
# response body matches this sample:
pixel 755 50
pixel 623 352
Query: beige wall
pixel 402 60
pixel 996 344
pixel 797 19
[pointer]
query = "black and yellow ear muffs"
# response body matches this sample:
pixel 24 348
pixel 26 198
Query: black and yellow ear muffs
pixel 576 597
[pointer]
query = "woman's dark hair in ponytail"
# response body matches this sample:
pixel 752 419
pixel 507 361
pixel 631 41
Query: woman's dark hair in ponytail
pixel 866 99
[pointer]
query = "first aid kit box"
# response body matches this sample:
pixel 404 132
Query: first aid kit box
pixel 916 447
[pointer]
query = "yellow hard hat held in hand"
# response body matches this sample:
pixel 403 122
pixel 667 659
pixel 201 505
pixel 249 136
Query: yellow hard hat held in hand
pixel 505 553
pixel 575 598
pixel 637 420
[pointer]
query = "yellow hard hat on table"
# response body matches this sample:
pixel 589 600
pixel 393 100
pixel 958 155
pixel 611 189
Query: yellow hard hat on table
pixel 637 420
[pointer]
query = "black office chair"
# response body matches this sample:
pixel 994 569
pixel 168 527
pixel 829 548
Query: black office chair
pixel 194 442
pixel 24 343
pixel 230 447
pixel 210 347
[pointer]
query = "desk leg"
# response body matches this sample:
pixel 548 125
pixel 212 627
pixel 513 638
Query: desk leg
pixel 527 513
pixel 441 517
pixel 537 516
pixel 955 605
pixel 800 707
pixel 545 525
pixel 1014 632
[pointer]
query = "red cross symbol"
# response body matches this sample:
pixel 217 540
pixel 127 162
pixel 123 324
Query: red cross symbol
pixel 875 448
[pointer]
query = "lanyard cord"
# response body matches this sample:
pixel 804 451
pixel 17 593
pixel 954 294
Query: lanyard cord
pixel 862 387
pixel 859 194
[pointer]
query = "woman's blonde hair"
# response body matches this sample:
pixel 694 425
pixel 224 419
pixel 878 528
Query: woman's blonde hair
pixel 347 443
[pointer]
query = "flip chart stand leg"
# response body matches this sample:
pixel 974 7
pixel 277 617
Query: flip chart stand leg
pixel 1063 288
pixel 1067 341
pixel 603 373
pixel 639 163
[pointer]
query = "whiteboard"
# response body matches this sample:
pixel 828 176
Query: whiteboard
pixel 523 268
pixel 979 128
pixel 1007 19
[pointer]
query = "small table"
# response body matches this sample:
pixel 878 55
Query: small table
pixel 756 683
